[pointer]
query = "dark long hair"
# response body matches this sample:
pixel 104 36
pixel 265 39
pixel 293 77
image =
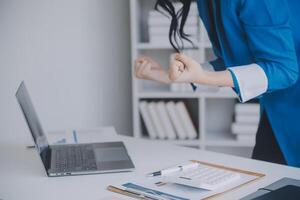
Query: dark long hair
pixel 178 20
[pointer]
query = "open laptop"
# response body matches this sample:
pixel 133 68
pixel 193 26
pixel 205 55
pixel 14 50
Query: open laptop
pixel 72 159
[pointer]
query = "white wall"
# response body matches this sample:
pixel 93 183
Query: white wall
pixel 74 56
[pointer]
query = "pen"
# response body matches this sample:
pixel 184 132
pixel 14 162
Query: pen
pixel 182 167
pixel 131 193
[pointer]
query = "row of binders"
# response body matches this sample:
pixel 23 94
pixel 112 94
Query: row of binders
pixel 167 120
pixel 247 117
pixel 159 23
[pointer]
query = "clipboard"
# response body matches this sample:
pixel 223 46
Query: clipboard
pixel 210 194
pixel 255 174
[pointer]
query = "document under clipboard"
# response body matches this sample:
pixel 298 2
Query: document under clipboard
pixel 154 189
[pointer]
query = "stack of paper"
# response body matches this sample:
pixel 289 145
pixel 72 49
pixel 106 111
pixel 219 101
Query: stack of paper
pixel 167 120
pixel 246 121
pixel 159 25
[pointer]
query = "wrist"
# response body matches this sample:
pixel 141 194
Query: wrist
pixel 208 77
pixel 201 77
pixel 219 78
pixel 165 78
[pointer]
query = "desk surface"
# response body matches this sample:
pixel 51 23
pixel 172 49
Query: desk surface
pixel 22 175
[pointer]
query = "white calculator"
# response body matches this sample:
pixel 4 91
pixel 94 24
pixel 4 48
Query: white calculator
pixel 204 177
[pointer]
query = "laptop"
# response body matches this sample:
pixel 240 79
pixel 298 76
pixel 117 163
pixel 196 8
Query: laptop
pixel 72 159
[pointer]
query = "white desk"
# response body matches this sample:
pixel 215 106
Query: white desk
pixel 22 175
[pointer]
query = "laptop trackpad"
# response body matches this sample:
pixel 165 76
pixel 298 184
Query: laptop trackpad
pixel 111 158
pixel 109 154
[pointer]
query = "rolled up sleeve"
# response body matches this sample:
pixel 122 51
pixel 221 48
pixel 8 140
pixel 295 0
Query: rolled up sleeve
pixel 249 81
pixel 270 41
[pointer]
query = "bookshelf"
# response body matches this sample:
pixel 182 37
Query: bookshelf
pixel 211 109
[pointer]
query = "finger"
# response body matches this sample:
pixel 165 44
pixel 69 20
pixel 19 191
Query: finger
pixel 146 67
pixel 184 59
pixel 140 60
pixel 179 65
pixel 154 64
pixel 142 68
pixel 138 70
pixel 137 63
pixel 175 70
pixel 174 75
pixel 137 66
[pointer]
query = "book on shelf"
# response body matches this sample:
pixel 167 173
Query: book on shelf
pixel 181 87
pixel 193 8
pixel 159 23
pixel 166 122
pixel 247 119
pixel 157 123
pixel 192 12
pixel 186 120
pixel 164 40
pixel 247 108
pixel 243 138
pixel 164 21
pixel 243 129
pixel 164 30
pixel 173 114
pixel 147 120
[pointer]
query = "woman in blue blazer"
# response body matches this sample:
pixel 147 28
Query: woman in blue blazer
pixel 256 43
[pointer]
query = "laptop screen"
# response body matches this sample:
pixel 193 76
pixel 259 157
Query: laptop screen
pixel 33 122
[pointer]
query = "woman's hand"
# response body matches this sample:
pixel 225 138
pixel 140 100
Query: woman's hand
pixel 185 69
pixel 146 68
pixel 181 69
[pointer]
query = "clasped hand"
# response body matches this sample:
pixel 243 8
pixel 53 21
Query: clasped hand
pixel 182 69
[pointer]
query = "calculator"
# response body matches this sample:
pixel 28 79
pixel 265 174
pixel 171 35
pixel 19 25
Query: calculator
pixel 204 177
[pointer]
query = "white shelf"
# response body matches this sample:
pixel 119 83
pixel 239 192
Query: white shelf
pixel 200 94
pixel 228 93
pixel 156 95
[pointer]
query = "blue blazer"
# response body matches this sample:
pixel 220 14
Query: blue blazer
pixel 265 33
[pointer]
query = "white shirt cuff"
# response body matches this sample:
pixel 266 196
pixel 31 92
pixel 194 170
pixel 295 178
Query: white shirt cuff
pixel 251 79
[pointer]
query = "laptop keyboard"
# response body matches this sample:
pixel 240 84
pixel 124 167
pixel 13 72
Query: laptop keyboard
pixel 75 158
